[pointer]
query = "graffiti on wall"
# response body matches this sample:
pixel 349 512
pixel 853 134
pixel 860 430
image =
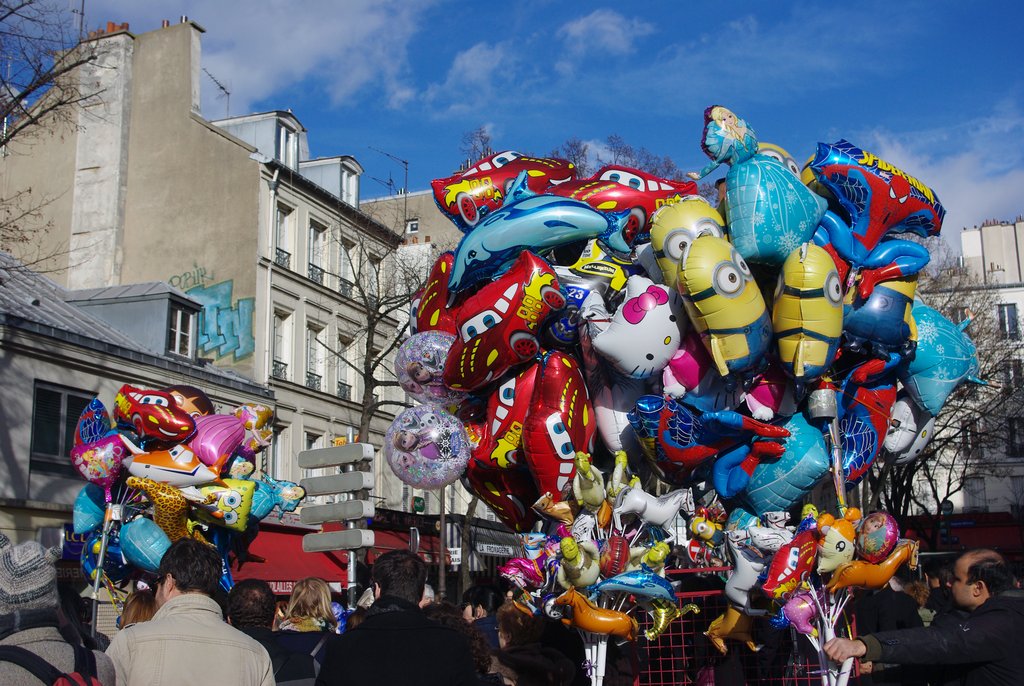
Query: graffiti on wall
pixel 225 326
pixel 197 276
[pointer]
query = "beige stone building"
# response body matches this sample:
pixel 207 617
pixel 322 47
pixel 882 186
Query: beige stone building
pixel 234 213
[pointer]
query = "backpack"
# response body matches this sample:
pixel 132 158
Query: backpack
pixel 84 674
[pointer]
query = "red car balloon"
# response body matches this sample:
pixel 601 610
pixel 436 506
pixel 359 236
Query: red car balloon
pixel 499 326
pixel 153 415
pixel 508 492
pixel 560 423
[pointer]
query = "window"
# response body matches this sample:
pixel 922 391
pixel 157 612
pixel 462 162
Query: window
pixel 1015 437
pixel 344 373
pixel 974 494
pixel 412 225
pixel 314 357
pixel 372 276
pixel 55 413
pixel 282 344
pixel 283 236
pixel 317 232
pixel 287 146
pixel 273 456
pixel 179 332
pixel 346 269
pixel 1008 324
pixel 968 438
pixel 1013 376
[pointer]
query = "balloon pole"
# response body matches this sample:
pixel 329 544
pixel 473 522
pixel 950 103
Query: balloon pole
pixel 113 514
pixel 837 464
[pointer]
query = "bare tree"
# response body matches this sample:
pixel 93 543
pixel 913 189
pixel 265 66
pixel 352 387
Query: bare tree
pixel 577 151
pixel 476 144
pixel 41 91
pixel 640 158
pixel 973 432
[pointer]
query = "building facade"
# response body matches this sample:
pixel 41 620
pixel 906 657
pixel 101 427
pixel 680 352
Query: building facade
pixel 234 213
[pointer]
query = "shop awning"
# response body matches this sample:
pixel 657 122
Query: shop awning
pixel 285 562
pixel 385 541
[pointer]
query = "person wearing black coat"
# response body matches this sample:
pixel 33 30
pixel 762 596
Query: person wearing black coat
pixel 887 610
pixel 986 645
pixel 251 611
pixel 396 643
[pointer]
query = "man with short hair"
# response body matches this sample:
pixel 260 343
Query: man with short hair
pixel 396 643
pixel 987 643
pixel 187 641
pixel 251 607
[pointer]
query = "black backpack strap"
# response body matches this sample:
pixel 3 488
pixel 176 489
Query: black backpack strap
pixel 85 661
pixel 31 663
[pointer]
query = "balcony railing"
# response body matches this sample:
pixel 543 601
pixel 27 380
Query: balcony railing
pixel 316 273
pixel 345 288
pixel 282 258
pixel 279 370
pixel 344 390
pixel 313 380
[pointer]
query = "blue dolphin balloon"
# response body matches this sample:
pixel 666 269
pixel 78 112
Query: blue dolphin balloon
pixel 537 223
pixel 641 582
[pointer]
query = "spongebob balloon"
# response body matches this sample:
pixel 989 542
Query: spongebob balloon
pixel 726 306
pixel 676 226
pixel 770 211
pixel 807 314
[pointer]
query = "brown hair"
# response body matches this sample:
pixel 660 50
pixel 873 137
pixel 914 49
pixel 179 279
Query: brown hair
pixel 311 597
pixel 918 590
pixel 446 614
pixel 139 606
pixel 519 626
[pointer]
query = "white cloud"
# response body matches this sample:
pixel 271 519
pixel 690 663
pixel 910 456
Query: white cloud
pixel 602 31
pixel 475 76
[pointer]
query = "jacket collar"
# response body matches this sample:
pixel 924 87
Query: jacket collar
pixel 189 603
pixel 20 620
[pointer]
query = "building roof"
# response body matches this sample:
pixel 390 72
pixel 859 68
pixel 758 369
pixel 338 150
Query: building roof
pixel 132 291
pixel 30 301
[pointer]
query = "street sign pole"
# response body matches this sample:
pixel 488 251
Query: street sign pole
pixel 349 458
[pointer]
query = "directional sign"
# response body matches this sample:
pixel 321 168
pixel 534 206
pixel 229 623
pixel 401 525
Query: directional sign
pixel 337 512
pixel 337 456
pixel 338 483
pixel 348 539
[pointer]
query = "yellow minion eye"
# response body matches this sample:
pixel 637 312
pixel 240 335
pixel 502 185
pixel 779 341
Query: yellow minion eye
pixel 676 243
pixel 833 290
pixel 727 279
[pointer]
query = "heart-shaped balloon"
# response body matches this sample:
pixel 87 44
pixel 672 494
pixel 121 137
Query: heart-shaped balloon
pixel 100 462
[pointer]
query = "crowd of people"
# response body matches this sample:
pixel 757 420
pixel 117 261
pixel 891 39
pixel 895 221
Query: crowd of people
pixel 962 625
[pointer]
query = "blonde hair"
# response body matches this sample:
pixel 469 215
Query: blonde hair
pixel 311 597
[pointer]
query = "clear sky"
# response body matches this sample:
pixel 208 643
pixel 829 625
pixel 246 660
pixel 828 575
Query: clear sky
pixel 936 87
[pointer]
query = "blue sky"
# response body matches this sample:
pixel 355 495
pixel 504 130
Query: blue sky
pixel 936 88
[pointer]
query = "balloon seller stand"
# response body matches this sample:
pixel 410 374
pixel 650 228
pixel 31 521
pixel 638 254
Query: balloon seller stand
pixel 829 610
pixel 111 518
pixel 596 649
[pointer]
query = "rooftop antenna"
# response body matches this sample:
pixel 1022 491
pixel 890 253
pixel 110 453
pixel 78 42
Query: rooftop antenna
pixel 405 188
pixel 80 19
pixel 223 89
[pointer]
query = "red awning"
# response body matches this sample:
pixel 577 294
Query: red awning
pixel 286 562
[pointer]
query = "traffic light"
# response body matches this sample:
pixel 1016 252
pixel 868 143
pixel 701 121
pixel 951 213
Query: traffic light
pixel 349 480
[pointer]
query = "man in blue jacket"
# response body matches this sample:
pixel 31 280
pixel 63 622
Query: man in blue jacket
pixel 986 646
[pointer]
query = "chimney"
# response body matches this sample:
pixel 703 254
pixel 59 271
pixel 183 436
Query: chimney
pixel 165 23
pixel 184 19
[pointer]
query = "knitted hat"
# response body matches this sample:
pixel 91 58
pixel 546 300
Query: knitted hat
pixel 28 577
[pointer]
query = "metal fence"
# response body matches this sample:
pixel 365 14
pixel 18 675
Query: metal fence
pixel 684 656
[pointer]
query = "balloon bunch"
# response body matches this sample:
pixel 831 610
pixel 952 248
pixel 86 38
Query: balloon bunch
pixel 163 467
pixel 746 351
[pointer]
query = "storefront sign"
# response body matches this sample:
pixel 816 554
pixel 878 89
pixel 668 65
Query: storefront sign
pixel 495 549
pixel 455 556
pixel 71 548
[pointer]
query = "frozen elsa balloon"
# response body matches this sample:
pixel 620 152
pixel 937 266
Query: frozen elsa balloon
pixel 770 211
pixel 418 366
pixel 426 447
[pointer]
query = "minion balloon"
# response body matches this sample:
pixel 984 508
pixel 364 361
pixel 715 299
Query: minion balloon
pixel 725 305
pixel 676 226
pixel 807 314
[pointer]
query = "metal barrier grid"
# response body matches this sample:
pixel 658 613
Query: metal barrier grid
pixel 684 656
